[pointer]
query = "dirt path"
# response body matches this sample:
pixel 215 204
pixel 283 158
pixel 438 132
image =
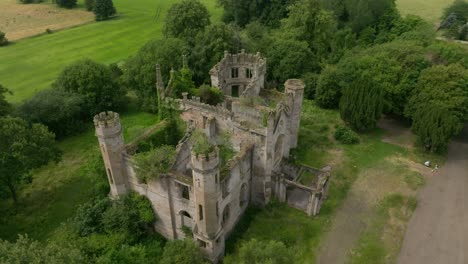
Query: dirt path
pixel 438 230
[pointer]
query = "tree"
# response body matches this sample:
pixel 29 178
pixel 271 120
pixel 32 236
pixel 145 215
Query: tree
pixel 328 91
pixel 182 252
pixel 362 103
pixel 3 39
pixel 439 105
pixel 289 58
pixel 260 252
pixel 150 165
pixel 5 107
pixel 89 4
pixel 139 71
pixel 104 9
pixel 268 12
pixel 25 250
pixel 209 49
pixel 95 83
pixel 369 13
pixel 66 3
pixel 309 22
pixel 454 19
pixel 186 19
pixel 23 148
pixel 435 126
pixel 62 112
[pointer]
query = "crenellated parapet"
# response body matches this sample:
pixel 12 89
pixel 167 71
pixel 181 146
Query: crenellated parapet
pixel 205 162
pixel 107 124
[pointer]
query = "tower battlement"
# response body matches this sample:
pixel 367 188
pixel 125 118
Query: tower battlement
pixel 294 84
pixel 107 124
pixel 204 162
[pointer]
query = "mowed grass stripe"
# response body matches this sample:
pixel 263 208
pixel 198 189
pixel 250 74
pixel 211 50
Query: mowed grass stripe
pixel 32 64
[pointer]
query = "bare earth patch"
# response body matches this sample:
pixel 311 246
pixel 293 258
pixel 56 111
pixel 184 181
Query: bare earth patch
pixel 20 20
pixel 396 133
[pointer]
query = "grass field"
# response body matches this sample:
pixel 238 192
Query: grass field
pixel 431 10
pixel 31 65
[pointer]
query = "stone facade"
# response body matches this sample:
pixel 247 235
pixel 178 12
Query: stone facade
pixel 197 193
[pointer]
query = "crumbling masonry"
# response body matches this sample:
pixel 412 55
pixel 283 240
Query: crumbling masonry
pixel 263 127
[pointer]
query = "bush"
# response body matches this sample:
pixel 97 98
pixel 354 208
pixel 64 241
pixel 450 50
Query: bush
pixel 95 83
pixel 3 39
pixel 152 164
pixel 62 112
pixel 210 95
pixel 104 9
pixel 182 252
pixel 346 136
pixel 66 3
pixel 328 91
pixel 201 143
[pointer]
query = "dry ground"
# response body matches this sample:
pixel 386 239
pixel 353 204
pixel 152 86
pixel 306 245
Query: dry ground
pixel 438 231
pixel 20 21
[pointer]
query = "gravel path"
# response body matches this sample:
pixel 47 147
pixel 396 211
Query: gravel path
pixel 438 230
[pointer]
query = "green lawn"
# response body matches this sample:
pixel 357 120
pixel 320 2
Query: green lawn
pixel 57 189
pixel 31 65
pixel 431 10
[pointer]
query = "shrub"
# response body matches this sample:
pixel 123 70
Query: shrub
pixel 152 164
pixel 346 136
pixel 104 9
pixel 201 143
pixel 210 95
pixel 182 252
pixel 3 39
pixel 62 112
pixel 66 3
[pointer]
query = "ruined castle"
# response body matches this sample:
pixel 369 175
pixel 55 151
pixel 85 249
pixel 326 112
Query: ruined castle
pixel 204 193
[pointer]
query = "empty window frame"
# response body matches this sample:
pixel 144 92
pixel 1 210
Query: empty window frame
pixel 248 73
pixel 234 72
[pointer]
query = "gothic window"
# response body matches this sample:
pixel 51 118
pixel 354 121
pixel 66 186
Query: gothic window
pixel 200 212
pixel 226 215
pixel 243 196
pixel 201 243
pixel 184 191
pixel 235 73
pixel 248 73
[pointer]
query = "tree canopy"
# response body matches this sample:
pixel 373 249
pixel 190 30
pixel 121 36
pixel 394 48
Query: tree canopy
pixel 182 252
pixel 5 107
pixel 95 83
pixel 103 9
pixel 23 148
pixel 139 70
pixel 186 19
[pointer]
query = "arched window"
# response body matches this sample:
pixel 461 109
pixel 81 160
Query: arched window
pixel 243 196
pixel 226 215
pixel 279 149
pixel 186 219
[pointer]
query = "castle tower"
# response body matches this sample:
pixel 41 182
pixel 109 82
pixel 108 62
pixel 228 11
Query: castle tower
pixel 294 88
pixel 110 137
pixel 205 171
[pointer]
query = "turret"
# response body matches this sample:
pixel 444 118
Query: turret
pixel 110 137
pixel 205 171
pixel 294 88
